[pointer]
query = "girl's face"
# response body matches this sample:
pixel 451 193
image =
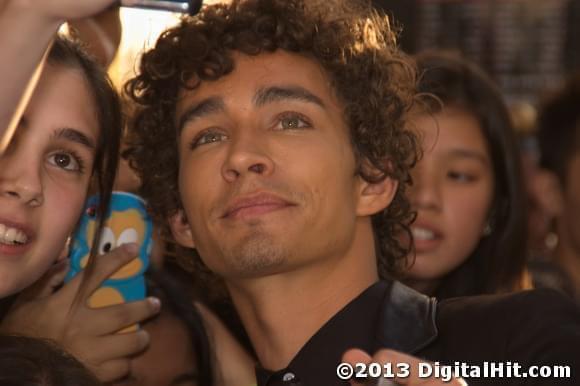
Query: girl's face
pixel 44 176
pixel 452 194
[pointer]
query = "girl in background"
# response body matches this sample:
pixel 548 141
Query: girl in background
pixel 470 229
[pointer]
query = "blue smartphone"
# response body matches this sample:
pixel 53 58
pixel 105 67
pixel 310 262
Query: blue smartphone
pixel 127 221
pixel 184 6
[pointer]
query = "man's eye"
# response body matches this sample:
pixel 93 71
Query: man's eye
pixel 208 137
pixel 293 122
pixel 65 161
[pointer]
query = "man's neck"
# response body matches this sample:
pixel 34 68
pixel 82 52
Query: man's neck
pixel 281 312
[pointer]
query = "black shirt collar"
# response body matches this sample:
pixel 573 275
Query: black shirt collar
pixel 385 315
pixel 321 354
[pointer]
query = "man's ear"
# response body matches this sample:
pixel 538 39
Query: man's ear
pixel 181 230
pixel 375 197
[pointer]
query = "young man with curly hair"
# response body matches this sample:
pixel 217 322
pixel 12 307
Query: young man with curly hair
pixel 271 139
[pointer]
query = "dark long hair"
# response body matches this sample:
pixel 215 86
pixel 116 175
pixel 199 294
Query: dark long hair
pixel 498 262
pixel 26 361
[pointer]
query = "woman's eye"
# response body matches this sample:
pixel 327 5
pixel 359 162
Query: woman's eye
pixel 209 137
pixel 293 122
pixel 460 177
pixel 65 161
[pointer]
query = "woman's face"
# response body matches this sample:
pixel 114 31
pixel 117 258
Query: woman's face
pixel 452 194
pixel 44 176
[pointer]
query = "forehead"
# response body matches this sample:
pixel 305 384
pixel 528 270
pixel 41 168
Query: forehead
pixel 63 99
pixel 452 128
pixel 252 73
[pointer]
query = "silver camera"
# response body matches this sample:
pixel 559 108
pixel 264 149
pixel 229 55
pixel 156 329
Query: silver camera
pixel 190 7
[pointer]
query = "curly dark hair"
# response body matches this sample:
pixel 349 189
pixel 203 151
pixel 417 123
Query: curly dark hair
pixel 353 43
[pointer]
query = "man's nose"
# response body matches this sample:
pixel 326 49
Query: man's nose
pixel 247 155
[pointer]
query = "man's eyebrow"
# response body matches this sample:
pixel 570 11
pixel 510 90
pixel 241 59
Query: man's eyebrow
pixel 207 106
pixel 76 136
pixel 280 93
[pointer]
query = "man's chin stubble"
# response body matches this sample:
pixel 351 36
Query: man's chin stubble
pixel 257 253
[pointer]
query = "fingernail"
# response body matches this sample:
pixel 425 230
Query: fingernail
pixel 143 337
pixel 131 248
pixel 155 303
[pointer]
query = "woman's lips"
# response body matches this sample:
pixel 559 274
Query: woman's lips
pixel 12 235
pixel 15 238
pixel 425 238
pixel 13 250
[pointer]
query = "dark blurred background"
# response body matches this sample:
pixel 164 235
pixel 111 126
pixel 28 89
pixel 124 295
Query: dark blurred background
pixel 528 46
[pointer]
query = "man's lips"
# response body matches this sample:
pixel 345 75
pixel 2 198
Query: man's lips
pixel 255 205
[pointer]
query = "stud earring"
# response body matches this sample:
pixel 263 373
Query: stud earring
pixel 487 229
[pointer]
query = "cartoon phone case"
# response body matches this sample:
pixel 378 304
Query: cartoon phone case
pixel 127 221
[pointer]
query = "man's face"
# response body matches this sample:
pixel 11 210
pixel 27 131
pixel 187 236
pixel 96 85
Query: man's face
pixel 267 171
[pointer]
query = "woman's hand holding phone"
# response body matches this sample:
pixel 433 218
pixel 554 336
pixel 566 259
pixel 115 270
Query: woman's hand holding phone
pixel 90 334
